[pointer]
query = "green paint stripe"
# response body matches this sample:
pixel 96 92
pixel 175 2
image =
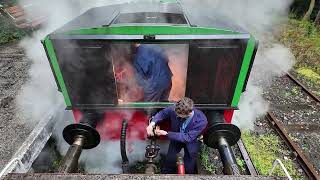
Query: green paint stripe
pixel 56 68
pixel 244 71
pixel 145 30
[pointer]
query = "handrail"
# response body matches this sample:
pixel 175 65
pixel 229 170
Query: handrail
pixel 274 165
pixel 5 169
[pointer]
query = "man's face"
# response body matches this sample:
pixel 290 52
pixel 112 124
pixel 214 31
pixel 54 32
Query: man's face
pixel 183 117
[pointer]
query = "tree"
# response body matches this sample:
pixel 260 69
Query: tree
pixel 308 13
pixel 317 20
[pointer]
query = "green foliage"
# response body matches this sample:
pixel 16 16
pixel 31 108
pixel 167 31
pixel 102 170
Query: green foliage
pixel 303 38
pixel 312 79
pixel 7 3
pixel 310 74
pixel 295 90
pixel 204 159
pixel 8 31
pixel 241 163
pixel 55 165
pixel 264 149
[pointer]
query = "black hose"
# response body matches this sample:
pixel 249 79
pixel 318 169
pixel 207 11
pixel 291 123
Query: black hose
pixel 124 156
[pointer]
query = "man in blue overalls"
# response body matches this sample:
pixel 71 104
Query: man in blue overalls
pixel 187 124
pixel 153 72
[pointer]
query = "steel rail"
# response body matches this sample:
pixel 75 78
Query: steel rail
pixel 23 158
pixel 304 88
pixel 306 165
pixel 245 155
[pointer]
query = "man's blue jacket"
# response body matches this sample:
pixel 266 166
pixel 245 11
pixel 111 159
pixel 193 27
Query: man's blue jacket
pixel 192 131
pixel 151 64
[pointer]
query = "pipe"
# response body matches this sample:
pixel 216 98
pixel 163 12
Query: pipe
pixel 90 118
pixel 180 165
pixel 150 168
pixel 80 136
pixel 70 161
pixel 152 151
pixel 125 161
pixel 221 136
pixel 228 159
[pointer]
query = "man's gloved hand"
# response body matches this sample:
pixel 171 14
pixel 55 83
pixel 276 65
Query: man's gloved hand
pixel 150 129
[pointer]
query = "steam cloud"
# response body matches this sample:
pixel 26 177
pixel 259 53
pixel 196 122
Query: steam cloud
pixel 39 95
pixel 263 19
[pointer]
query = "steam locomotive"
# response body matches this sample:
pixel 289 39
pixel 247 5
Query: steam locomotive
pixel 91 60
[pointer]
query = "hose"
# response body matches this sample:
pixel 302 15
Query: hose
pixel 125 161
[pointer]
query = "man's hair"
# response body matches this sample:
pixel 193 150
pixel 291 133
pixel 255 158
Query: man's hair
pixel 184 106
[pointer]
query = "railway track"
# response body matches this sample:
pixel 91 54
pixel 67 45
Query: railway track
pixel 245 155
pixel 303 87
pixel 284 132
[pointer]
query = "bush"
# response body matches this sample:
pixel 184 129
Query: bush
pixel 303 38
pixel 8 31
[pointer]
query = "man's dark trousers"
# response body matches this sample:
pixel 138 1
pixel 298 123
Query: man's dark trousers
pixel 190 159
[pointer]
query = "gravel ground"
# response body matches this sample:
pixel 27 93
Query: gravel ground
pixel 214 160
pixel 13 73
pixel 299 113
pixel 262 127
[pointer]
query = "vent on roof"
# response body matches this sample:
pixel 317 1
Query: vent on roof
pixel 150 17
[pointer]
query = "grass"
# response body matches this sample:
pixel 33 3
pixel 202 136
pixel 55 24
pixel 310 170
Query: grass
pixel 303 39
pixel 309 73
pixel 295 90
pixel 204 159
pixel 242 164
pixel 264 149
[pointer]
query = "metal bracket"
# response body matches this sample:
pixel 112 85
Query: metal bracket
pixel 149 37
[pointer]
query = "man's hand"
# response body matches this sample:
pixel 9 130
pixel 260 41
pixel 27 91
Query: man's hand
pixel 150 129
pixel 160 132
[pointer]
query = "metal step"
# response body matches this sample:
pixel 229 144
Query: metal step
pixel 55 176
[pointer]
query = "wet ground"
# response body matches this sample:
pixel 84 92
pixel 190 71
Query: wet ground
pixel 13 73
pixel 300 115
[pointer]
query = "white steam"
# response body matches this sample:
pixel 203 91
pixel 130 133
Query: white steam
pixel 105 158
pixel 264 19
pixel 39 94
pixel 269 63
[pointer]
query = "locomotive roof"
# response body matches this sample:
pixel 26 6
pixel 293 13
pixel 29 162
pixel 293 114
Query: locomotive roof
pixel 155 13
